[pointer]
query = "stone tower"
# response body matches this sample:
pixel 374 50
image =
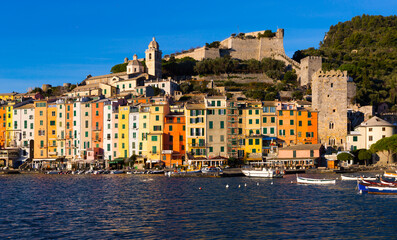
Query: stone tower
pixel 153 59
pixel 309 66
pixel 330 99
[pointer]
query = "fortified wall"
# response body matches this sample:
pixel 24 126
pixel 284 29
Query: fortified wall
pixel 250 46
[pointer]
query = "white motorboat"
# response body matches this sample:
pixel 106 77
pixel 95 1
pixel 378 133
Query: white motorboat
pixel 116 172
pixel 314 180
pixel 263 173
pixel 211 169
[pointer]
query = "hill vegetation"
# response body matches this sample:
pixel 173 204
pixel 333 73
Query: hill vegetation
pixel 366 47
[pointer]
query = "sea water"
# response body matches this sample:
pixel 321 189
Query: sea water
pixel 36 206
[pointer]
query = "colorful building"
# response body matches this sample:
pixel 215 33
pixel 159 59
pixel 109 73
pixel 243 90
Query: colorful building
pixel 174 138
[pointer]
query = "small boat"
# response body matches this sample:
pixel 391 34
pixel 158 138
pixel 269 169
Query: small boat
pixel 53 172
pixel 211 169
pixel 314 180
pixel 116 172
pixel 263 173
pixel 383 190
pixel 355 178
pixel 389 183
pixel 390 174
pixel 156 172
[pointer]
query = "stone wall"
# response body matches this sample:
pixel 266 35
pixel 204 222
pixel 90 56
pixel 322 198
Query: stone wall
pixel 330 99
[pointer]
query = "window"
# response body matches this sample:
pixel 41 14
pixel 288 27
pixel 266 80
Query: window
pixel 222 138
pixel 240 120
pixel 211 124
pixel 156 109
pixel 41 122
pixel 170 128
pixel 256 141
pixel 256 111
pixel 154 149
pixel 257 121
pixel 280 122
pixel 144 125
pixel 264 119
pixel 157 117
pixel 383 129
pixel 370 129
pixel 250 141
pixel 294 154
pixel 309 114
pixel 291 113
pixel 331 125
pixel 370 138
pixel 264 130
pixel 300 123
pixel 280 113
pixel 272 119
pixel 291 122
pixel 222 124
pixel 250 121
pixel 250 112
pixel 309 123
pixel 354 138
pixel 41 113
pixel 311 153
pixel 291 132
pixel 156 128
pixel 222 149
pixel 218 103
pixel 299 113
pixel 211 149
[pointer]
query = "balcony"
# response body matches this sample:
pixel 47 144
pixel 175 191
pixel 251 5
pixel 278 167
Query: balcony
pixel 97 140
pixel 197 145
pixel 97 129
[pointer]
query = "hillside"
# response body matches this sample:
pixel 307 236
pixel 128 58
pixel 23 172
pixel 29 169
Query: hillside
pixel 366 47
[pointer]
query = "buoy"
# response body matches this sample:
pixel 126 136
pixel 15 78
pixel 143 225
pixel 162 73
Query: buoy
pixel 200 188
pixel 257 184
pixel 271 183
pixel 245 185
pixel 227 185
pixel 239 186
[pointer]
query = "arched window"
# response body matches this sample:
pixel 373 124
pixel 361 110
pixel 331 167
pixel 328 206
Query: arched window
pixel 150 56
pixel 332 85
pixel 331 125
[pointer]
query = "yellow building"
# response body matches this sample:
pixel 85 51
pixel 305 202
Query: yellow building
pixel 124 113
pixel 8 96
pixel 195 131
pixel 52 130
pixel 9 124
pixel 156 130
pixel 40 126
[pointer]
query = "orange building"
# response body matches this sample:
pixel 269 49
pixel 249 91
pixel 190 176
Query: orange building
pixel 307 127
pixel 52 130
pixel 3 120
pixel 174 139
pixel 297 126
pixel 97 124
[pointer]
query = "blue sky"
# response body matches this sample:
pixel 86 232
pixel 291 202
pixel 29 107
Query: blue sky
pixel 65 40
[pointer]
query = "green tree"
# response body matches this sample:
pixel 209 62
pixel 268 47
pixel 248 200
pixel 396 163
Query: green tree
pixel 364 155
pixel 119 68
pixel 345 156
pixel 386 145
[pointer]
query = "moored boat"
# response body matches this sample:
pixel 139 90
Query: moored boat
pixel 211 169
pixel 355 178
pixel 314 180
pixel 116 172
pixel 383 190
pixel 263 173
pixel 390 174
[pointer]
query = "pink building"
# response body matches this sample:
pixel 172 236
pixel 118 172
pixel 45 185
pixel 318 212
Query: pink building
pixel 300 156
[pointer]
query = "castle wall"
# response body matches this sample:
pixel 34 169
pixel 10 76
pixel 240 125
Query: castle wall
pixel 201 53
pixel 330 99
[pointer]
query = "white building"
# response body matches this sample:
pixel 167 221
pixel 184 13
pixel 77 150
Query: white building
pixel 169 86
pixel 107 130
pixel 133 130
pixel 368 133
pixel 23 120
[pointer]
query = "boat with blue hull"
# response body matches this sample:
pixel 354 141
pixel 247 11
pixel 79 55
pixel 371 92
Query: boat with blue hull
pixel 382 190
